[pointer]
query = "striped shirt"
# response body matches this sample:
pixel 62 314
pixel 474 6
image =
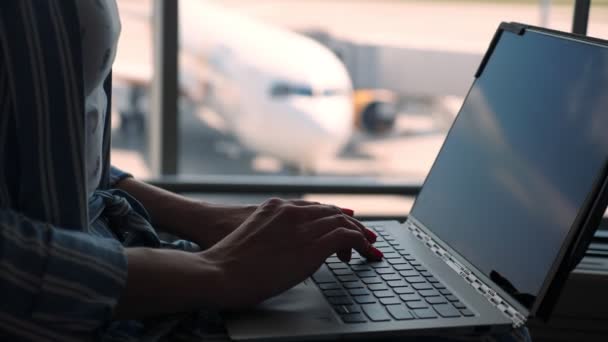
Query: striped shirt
pixel 62 269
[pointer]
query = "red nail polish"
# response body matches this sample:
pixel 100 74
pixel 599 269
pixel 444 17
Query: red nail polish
pixel 375 252
pixel 348 212
pixel 371 235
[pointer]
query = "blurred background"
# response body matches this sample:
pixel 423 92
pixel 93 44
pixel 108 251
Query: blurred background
pixel 320 89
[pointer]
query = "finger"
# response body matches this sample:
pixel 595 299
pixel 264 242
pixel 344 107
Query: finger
pixel 370 235
pixel 310 212
pixel 344 255
pixel 300 202
pixel 324 225
pixel 341 239
pixel 348 212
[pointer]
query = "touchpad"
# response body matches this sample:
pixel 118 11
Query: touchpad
pixel 302 306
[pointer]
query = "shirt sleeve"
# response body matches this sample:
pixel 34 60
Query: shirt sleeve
pixel 55 282
pixel 117 175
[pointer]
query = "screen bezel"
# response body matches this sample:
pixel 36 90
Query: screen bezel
pixel 583 226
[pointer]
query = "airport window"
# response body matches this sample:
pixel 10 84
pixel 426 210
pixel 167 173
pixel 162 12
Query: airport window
pixel 377 113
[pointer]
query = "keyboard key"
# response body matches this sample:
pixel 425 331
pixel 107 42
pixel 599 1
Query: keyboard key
pixel 353 285
pixel 359 292
pixel 366 274
pixel 436 300
pixel 341 309
pixel 386 249
pixel 445 292
pixel 439 286
pixel 347 278
pixel 409 273
pixel 329 286
pixel 361 267
pixel 422 286
pixel 385 271
pixel 446 310
pixel 425 313
pixel 403 290
pixel 323 275
pixel 415 279
pixel 384 293
pixel 459 305
pixel 365 299
pixel 333 259
pixel 397 261
pixel 376 287
pixel 467 313
pixel 418 267
pixel 356 262
pixel 429 293
pixel 452 298
pixel 410 297
pixel 392 255
pixel 389 277
pixel 337 265
pixel 416 305
pixel 381 244
pixel 432 280
pixel 340 300
pixel 396 283
pixel 376 312
pixel 399 312
pixel 390 300
pixel 334 293
pixel 342 271
pixel 392 242
pixel 345 309
pixel 354 318
pixel 403 267
pixel 409 257
pixel 426 274
pixel 379 264
pixel 415 263
pixel 372 280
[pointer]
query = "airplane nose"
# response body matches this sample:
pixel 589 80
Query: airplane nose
pixel 332 116
pixel 328 124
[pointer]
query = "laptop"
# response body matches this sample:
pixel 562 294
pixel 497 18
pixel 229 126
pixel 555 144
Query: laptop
pixel 506 212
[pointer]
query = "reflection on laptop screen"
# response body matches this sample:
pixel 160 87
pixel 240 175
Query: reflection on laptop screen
pixel 521 158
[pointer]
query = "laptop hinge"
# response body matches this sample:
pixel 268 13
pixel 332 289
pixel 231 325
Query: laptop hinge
pixel 482 288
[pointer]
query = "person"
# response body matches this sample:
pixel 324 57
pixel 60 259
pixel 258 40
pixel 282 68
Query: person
pixel 79 257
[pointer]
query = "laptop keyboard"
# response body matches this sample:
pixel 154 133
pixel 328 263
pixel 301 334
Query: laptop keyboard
pixel 396 288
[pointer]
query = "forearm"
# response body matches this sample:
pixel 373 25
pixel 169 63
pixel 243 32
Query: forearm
pixel 169 211
pixel 168 281
pixel 193 220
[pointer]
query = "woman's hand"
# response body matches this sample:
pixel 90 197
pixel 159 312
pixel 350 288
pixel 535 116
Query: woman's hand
pixel 210 223
pixel 280 245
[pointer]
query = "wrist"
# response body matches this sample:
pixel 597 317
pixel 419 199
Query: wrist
pixel 213 277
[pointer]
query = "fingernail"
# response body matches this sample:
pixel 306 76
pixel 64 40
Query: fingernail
pixel 375 252
pixel 348 212
pixel 371 236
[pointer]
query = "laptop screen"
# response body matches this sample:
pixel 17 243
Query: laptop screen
pixel 521 158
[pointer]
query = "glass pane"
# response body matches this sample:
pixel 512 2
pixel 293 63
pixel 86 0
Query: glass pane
pixel 325 88
pixel 598 19
pixel 132 75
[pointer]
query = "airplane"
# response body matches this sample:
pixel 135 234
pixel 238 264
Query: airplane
pixel 278 92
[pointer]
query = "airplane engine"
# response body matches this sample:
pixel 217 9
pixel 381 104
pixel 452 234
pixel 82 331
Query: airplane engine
pixel 375 110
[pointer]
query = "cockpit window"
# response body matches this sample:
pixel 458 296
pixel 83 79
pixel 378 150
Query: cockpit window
pixel 283 89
